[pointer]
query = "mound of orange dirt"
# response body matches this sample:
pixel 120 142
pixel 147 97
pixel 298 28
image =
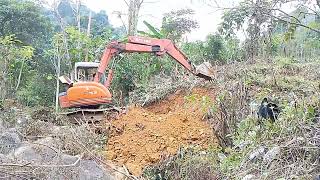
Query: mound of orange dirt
pixel 144 135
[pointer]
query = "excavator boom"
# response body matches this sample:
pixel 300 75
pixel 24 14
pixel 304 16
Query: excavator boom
pixel 157 46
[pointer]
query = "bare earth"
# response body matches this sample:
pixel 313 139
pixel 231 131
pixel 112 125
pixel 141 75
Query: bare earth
pixel 144 135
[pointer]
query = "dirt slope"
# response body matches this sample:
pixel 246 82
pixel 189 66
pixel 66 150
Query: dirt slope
pixel 144 135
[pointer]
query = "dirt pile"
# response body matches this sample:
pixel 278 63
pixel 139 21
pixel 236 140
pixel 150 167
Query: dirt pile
pixel 144 135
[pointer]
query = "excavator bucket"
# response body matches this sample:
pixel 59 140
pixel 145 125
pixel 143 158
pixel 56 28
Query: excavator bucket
pixel 205 71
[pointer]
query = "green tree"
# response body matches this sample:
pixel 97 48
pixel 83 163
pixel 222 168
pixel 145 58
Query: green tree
pixel 214 47
pixel 174 25
pixel 12 59
pixel 26 21
pixel 261 19
pixel 25 32
pixel 232 50
pixel 177 23
pixel 255 14
pixel 195 51
pixel 100 23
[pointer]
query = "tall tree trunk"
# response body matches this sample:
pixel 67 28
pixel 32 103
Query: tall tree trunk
pixel 65 39
pixel 4 75
pixel 57 80
pixel 3 90
pixel 133 17
pixel 19 78
pixel 59 53
pixel 89 24
pixel 88 34
pixel 78 16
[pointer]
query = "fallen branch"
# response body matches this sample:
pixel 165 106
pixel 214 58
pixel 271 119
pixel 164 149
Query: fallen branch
pixel 49 166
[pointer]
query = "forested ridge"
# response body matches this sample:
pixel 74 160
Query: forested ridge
pixel 38 36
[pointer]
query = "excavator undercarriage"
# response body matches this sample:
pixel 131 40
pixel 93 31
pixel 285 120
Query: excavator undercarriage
pixel 97 119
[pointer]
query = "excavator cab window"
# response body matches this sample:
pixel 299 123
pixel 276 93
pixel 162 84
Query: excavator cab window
pixel 87 74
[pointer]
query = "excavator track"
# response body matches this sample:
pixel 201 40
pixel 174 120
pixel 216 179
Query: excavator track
pixel 96 119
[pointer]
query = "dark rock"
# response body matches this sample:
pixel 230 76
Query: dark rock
pixel 271 154
pixel 268 110
pixel 26 153
pixel 35 153
pixel 90 170
pixel 68 159
pixel 50 142
pixel 85 170
pixel 8 142
pixel 4 159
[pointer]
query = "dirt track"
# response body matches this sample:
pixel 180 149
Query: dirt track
pixel 144 135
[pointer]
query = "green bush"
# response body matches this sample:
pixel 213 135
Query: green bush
pixel 188 164
pixel 221 49
pixel 214 47
pixel 39 90
pixel 195 51
pixel 284 62
pixel 135 70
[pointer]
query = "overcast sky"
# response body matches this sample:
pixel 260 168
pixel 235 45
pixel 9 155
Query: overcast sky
pixel 152 12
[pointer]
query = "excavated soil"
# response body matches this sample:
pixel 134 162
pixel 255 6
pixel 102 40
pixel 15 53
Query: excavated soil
pixel 144 135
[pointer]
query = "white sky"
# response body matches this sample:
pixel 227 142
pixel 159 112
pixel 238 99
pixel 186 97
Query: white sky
pixel 153 12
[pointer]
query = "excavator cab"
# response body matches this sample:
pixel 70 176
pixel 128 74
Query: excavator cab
pixel 86 71
pixel 83 91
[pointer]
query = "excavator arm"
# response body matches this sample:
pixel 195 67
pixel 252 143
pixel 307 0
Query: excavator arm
pixel 150 45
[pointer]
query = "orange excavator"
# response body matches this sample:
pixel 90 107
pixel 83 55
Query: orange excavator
pixel 90 85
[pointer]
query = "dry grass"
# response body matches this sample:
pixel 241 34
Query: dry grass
pixel 241 88
pixel 186 164
pixel 160 87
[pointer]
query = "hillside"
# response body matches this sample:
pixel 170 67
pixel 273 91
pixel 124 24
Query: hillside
pixel 213 123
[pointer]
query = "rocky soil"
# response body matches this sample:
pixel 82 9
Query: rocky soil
pixel 38 149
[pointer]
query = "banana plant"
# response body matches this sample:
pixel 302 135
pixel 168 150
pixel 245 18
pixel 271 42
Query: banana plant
pixel 153 32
